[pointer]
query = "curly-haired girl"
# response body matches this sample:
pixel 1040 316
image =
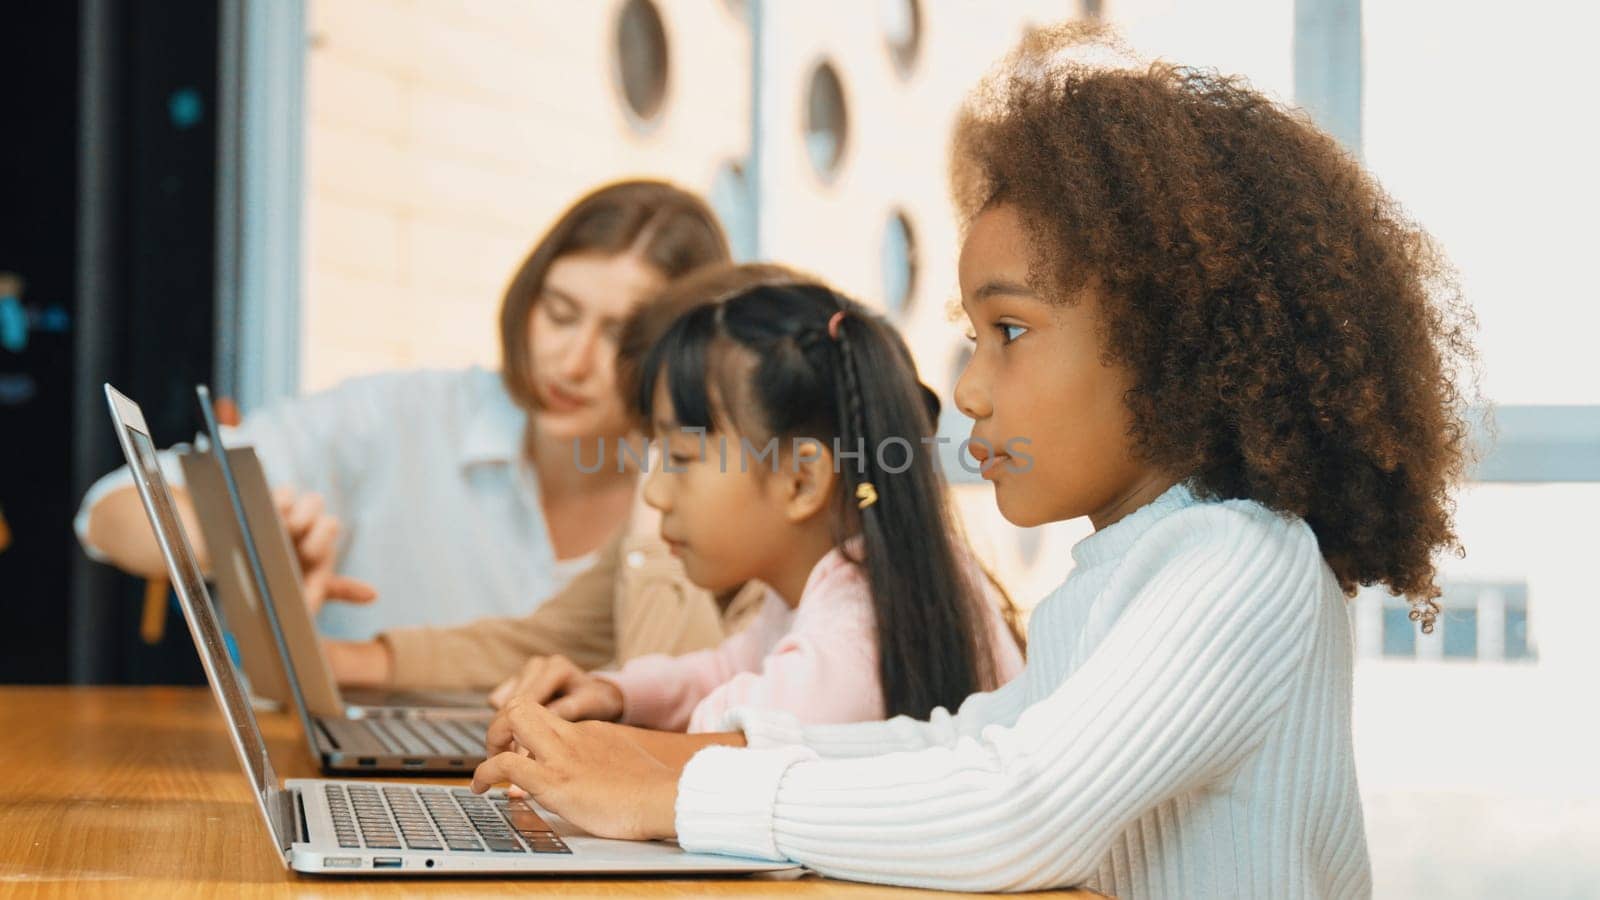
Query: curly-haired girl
pixel 1224 345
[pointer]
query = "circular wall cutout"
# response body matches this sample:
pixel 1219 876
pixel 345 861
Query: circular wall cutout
pixel 899 261
pixel 642 60
pixel 901 21
pixel 827 122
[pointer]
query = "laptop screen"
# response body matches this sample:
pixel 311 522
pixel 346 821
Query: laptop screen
pixel 189 582
pixel 258 575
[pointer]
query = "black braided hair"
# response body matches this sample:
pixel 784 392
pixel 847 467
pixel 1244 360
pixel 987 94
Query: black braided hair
pixel 767 355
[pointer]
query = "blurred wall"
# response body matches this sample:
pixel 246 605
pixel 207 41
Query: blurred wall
pixel 444 137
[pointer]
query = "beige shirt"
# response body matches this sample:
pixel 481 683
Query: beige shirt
pixel 635 601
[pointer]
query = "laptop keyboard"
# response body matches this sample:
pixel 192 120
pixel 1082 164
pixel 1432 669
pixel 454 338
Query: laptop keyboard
pixel 392 817
pixel 430 737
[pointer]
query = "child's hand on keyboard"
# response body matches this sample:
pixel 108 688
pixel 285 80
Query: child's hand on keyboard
pixel 589 773
pixel 567 690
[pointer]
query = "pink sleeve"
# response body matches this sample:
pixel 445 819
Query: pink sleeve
pixel 660 691
pixel 825 671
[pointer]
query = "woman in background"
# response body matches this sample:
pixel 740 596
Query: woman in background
pixel 456 494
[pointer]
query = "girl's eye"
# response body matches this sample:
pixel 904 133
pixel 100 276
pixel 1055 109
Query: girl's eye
pixel 1011 332
pixel 970 333
pixel 681 459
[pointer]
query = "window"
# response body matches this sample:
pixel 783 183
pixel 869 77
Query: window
pixel 1485 621
pixel 827 124
pixel 901 21
pixel 1516 630
pixel 1399 632
pixel 1460 627
pixel 899 262
pixel 642 61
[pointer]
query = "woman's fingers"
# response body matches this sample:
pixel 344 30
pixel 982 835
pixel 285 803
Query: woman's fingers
pixel 302 514
pixel 283 498
pixel 350 590
pixel 317 543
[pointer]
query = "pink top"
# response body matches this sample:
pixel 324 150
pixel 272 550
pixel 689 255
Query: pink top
pixel 818 662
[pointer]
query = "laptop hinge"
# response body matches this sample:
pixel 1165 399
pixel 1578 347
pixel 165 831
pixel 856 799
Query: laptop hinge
pixel 291 812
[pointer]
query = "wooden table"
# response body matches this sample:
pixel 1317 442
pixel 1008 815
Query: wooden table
pixel 136 792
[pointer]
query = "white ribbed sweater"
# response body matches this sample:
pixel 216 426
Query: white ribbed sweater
pixel 1182 730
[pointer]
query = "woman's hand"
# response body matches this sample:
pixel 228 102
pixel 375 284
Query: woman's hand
pixel 568 691
pixel 359 663
pixel 589 773
pixel 315 536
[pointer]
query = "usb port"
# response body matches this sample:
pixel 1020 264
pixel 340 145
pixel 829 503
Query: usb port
pixel 386 862
pixel 411 763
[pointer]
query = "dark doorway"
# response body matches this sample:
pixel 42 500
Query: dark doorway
pixel 109 187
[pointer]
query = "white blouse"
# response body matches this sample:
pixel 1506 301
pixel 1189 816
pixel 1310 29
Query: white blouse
pixel 424 469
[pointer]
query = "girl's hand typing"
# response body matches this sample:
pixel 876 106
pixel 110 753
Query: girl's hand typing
pixel 589 773
pixel 567 690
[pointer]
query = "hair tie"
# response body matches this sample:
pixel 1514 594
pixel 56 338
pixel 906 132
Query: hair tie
pixel 833 324
pixel 867 494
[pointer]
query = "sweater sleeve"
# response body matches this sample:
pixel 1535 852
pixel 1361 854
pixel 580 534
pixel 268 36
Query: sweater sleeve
pixel 775 727
pixel 768 724
pixel 576 623
pixel 1184 684
pixel 661 691
pixel 824 670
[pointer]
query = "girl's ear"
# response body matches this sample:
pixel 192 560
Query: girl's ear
pixel 805 481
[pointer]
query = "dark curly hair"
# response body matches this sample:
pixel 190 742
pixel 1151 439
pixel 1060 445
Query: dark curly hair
pixel 1293 337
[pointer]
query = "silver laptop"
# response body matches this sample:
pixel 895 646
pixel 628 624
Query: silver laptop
pixel 258 581
pixel 351 827
pixel 244 603
pixel 245 600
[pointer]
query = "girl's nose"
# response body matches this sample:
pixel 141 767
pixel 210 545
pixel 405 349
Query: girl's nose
pixel 972 391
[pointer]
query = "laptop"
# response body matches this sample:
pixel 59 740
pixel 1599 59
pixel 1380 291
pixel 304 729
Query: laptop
pixel 351 827
pixel 243 601
pixel 259 582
